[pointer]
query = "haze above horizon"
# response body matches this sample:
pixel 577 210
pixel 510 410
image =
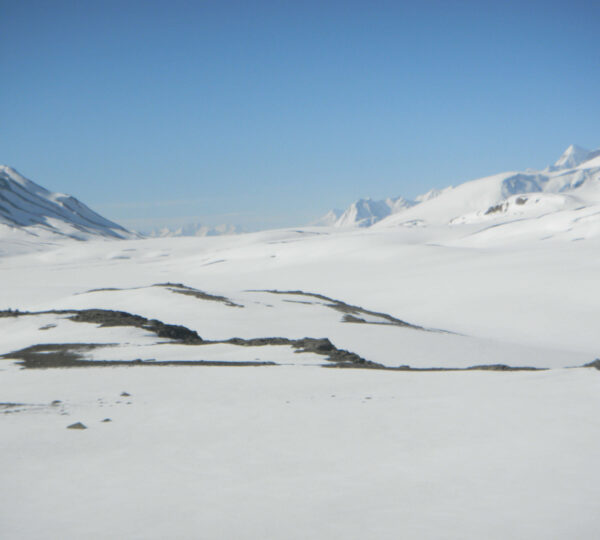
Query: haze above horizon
pixel 268 115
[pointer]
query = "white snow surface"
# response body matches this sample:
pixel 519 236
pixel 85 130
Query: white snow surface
pixel 299 453
pixel 298 449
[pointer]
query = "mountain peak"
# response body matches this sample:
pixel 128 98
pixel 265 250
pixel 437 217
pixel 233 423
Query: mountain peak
pixel 574 155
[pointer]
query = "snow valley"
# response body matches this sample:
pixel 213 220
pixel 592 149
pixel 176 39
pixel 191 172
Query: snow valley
pixel 419 369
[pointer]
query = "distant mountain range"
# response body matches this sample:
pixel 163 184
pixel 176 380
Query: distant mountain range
pixel 364 212
pixel 194 229
pixel 571 184
pixel 573 181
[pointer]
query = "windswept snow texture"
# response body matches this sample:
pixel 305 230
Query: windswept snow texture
pixel 26 207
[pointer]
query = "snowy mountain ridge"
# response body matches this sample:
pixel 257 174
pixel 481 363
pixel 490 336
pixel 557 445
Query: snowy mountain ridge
pixel 572 182
pixel 571 186
pixel 28 207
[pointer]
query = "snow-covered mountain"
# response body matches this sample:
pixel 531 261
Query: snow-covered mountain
pixel 194 229
pixel 571 184
pixel 364 212
pixel 26 207
pixel 573 156
pixel 329 219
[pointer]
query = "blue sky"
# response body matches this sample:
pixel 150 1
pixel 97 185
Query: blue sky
pixel 268 114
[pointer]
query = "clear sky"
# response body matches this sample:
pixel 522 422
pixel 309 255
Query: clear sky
pixel 268 114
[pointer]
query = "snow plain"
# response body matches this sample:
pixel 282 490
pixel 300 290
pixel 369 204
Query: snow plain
pixel 296 449
pixel 285 452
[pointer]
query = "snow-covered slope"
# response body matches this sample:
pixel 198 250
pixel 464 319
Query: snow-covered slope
pixel 572 185
pixel 29 210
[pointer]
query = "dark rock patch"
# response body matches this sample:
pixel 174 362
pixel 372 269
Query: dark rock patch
pixel 107 318
pixel 7 405
pixel 594 364
pixel 103 289
pixel 485 367
pixel 321 346
pixel 68 355
pixel 52 354
pixel 335 355
pixel 47 327
pixel 494 209
pixel 257 342
pixel 77 425
pixel 353 319
pixel 71 355
pixel 180 288
pixel 351 313
pixel 503 367
pixel 12 313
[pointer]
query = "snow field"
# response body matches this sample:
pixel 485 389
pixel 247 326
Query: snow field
pixel 290 452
